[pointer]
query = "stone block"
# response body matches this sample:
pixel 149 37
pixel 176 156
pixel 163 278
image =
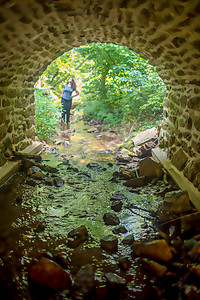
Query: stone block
pixel 157 250
pixel 196 146
pixel 3 131
pixel 179 159
pixel 5 103
pixel 135 182
pixel 150 168
pixel 2 116
pixel 17 138
pixel 194 103
pixel 196 181
pixel 145 136
pixel 197 122
pixel 176 202
pixel 192 169
pixel 2 160
pixel 7 143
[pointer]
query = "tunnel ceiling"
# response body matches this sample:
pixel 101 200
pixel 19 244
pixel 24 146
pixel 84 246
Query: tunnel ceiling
pixel 167 32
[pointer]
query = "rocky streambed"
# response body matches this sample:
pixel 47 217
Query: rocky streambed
pixel 89 227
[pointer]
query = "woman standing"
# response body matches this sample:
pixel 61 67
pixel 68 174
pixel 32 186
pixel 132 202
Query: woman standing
pixel 67 100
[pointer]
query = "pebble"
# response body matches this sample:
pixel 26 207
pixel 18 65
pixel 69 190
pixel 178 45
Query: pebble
pixel 111 219
pixel 109 242
pixel 48 273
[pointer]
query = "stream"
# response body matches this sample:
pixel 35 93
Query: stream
pixel 36 219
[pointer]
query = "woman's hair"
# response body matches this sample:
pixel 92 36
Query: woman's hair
pixel 73 83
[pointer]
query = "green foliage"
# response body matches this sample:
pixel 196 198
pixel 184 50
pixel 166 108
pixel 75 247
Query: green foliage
pixel 116 84
pixel 119 85
pixel 66 64
pixel 46 114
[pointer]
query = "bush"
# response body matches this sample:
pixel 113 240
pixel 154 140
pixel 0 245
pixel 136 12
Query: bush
pixel 46 114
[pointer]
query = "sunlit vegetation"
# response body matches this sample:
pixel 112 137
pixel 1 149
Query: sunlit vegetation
pixel 116 86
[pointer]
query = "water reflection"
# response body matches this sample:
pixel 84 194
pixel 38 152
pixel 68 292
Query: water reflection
pixel 37 219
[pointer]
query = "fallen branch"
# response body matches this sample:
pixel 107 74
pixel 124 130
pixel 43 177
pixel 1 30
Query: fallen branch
pixel 145 217
pixel 135 207
pixel 178 218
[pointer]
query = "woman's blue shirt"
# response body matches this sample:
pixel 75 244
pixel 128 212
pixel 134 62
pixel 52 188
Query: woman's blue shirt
pixel 67 92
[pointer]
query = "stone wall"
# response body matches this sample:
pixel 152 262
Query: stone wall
pixel 167 32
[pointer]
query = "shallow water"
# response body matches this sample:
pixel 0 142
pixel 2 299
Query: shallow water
pixel 37 220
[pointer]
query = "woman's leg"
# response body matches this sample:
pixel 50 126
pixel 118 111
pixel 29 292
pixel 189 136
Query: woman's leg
pixel 68 107
pixel 64 109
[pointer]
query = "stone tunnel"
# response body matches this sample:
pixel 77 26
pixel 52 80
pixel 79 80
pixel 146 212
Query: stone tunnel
pixel 166 32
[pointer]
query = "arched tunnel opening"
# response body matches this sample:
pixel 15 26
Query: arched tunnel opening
pixel 77 230
pixel 117 87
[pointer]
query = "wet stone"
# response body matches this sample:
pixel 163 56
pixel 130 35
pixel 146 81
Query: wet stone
pixel 48 273
pixel 158 250
pixel 191 292
pixel 93 129
pixel 117 196
pixel 190 222
pixel 124 262
pixel 126 173
pixel 62 259
pixel 115 280
pixel 57 181
pixel 117 205
pixel 85 174
pixel 154 267
pixel 38 175
pixel 150 168
pixel 93 166
pixel 109 243
pixel 77 236
pixel 120 229
pixel 195 251
pixel 135 182
pixel 31 182
pixel 128 240
pixel 32 170
pixel 176 202
pixel 49 169
pixel 110 165
pixel 123 159
pixel 49 181
pixel 115 174
pixel 111 219
pixel 84 282
pixel 195 269
pixel 101 290
pixel 189 244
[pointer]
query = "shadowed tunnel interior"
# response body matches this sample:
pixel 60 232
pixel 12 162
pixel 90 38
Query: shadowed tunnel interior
pixel 41 251
pixel 33 33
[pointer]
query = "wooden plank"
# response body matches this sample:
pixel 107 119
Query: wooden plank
pixel 183 183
